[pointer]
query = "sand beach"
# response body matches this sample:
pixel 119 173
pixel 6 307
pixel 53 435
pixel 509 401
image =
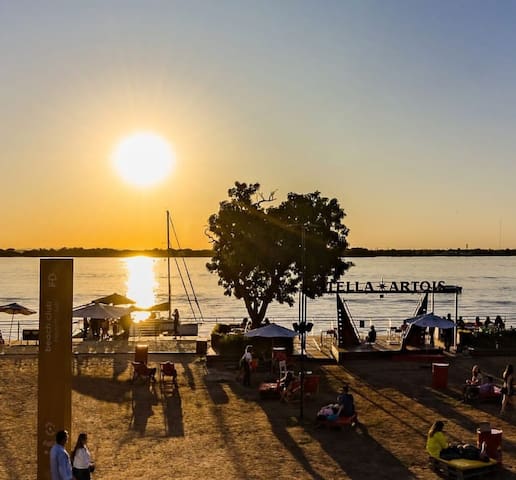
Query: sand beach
pixel 214 428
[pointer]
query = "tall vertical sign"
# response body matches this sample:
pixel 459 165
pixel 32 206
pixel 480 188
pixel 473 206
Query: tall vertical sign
pixel 55 356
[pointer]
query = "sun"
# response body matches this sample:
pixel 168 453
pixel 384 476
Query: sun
pixel 143 159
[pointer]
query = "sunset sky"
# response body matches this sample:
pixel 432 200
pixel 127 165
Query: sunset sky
pixel 405 111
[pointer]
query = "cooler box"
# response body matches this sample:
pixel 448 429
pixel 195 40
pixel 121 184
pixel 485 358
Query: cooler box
pixel 440 375
pixel 141 353
pixel 493 439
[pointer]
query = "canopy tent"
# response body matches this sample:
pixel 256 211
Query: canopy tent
pixel 271 331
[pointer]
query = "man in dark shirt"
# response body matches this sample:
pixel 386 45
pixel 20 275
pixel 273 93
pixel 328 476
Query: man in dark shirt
pixel 346 403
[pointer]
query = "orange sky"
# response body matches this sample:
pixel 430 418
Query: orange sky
pixel 402 112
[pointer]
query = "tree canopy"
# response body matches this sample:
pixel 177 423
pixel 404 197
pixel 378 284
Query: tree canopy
pixel 260 254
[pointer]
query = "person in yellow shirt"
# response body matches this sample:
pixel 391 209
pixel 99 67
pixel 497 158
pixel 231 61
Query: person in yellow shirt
pixel 436 440
pixel 437 446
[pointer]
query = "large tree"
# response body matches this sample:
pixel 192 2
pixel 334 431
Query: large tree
pixel 264 254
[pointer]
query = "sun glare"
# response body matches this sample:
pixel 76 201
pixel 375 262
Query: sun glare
pixel 141 283
pixel 143 159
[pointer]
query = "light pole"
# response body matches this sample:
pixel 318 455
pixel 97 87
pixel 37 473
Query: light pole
pixel 302 327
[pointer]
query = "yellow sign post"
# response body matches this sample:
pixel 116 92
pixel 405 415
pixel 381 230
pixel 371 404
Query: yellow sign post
pixel 55 356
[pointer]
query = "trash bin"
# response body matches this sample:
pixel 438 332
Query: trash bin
pixel 201 347
pixel 493 439
pixel 440 375
pixel 141 353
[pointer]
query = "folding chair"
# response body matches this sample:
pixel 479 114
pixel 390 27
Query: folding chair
pixel 141 370
pixel 167 369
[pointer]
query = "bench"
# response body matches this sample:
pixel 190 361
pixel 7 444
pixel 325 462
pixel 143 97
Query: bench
pixel 462 468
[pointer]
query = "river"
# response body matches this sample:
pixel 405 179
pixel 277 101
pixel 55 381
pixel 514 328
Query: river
pixel 488 283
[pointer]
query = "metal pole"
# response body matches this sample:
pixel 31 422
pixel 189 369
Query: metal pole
pixel 168 268
pixel 302 322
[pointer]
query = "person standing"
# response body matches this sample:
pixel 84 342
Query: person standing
pixel 246 361
pixel 82 465
pixel 60 465
pixel 175 317
pixel 507 388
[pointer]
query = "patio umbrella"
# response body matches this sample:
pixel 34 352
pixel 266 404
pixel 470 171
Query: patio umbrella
pixel 271 331
pixel 97 310
pixel 15 309
pixel 159 307
pixel 431 320
pixel 114 299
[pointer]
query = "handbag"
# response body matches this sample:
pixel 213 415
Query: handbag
pixel 92 468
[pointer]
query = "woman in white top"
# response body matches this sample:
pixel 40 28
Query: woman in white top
pixel 82 466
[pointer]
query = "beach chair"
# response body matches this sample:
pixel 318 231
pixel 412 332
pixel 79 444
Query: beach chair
pixel 141 370
pixel 167 369
pixel 340 422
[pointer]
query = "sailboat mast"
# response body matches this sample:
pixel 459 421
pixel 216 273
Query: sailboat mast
pixel 168 267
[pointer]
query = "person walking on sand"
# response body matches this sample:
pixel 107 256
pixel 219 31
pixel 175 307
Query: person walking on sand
pixel 507 388
pixel 60 465
pixel 82 465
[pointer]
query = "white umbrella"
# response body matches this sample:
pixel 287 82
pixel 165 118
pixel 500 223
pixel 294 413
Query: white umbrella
pixel 97 310
pixel 15 309
pixel 431 320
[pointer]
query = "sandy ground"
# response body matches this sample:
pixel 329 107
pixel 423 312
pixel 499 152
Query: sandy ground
pixel 211 427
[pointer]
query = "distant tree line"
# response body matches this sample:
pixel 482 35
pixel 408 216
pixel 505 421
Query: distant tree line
pixel 101 252
pixel 187 252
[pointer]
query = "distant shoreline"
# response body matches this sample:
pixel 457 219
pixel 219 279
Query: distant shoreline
pixel 187 252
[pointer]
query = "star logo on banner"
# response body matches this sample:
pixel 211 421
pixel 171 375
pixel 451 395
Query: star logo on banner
pixel 382 285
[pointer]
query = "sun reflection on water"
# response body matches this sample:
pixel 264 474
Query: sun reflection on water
pixel 141 283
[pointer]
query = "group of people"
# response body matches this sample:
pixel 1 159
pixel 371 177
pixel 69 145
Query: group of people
pixel 478 385
pixel 77 466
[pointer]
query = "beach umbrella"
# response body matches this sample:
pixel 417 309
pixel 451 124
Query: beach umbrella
pixel 97 310
pixel 114 299
pixel 271 331
pixel 15 309
pixel 159 307
pixel 431 320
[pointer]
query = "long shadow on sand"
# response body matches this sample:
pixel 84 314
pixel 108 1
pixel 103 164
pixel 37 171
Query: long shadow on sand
pixel 143 398
pixel 344 447
pixel 414 383
pixel 172 409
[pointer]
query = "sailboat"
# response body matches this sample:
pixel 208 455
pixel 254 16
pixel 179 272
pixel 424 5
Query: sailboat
pixel 185 329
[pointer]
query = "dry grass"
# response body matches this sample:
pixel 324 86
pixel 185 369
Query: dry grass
pixel 213 428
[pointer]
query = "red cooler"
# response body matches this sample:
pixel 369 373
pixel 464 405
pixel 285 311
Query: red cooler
pixel 440 375
pixel 493 439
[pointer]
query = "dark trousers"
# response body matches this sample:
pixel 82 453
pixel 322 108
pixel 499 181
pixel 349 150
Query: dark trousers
pixel 246 381
pixel 81 473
